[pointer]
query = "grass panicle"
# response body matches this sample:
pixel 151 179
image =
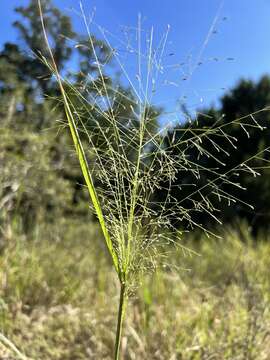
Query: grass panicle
pixel 129 152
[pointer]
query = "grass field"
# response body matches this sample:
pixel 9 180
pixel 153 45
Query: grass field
pixel 59 295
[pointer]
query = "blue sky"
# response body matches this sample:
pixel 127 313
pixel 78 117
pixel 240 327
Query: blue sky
pixel 242 32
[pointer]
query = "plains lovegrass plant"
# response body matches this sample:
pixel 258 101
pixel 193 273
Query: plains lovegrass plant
pixel 131 162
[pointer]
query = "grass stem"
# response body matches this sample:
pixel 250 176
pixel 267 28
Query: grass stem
pixel 120 321
pixel 7 343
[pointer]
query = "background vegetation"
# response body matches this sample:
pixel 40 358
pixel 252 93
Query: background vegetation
pixel 56 298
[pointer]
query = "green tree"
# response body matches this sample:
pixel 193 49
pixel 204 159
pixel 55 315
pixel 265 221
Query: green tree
pixel 60 31
pixel 248 101
pixel 33 186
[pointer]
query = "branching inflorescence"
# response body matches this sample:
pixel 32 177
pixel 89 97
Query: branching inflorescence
pixel 147 178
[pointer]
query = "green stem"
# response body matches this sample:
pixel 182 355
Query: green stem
pixel 120 321
pixel 12 347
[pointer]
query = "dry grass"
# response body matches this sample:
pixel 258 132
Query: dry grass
pixel 59 299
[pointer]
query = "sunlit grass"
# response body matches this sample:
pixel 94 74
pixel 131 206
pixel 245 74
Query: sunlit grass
pixel 63 304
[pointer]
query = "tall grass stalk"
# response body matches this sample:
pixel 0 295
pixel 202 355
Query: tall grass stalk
pixel 9 345
pixel 120 318
pixel 133 157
